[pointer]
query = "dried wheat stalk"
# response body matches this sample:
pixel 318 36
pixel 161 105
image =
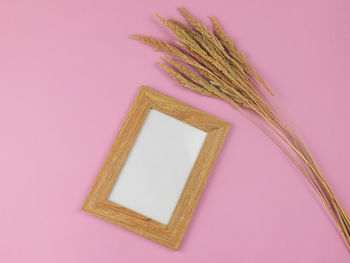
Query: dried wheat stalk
pixel 209 63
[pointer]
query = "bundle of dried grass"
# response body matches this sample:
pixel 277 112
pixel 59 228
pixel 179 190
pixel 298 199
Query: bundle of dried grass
pixel 209 63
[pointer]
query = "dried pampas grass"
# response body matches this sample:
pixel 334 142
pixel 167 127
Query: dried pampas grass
pixel 209 63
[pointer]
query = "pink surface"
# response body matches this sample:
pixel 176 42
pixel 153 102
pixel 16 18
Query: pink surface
pixel 68 75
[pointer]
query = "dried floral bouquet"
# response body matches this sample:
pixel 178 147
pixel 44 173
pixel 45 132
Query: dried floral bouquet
pixel 209 63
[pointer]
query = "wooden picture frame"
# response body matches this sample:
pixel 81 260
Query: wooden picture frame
pixel 170 235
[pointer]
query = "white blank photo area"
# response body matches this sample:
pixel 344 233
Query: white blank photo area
pixel 158 166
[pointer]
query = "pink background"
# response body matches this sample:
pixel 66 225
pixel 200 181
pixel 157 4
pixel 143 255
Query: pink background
pixel 68 75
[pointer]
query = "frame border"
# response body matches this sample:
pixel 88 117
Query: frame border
pixel 169 235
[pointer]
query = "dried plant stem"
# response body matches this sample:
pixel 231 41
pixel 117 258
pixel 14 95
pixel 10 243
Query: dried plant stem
pixel 209 63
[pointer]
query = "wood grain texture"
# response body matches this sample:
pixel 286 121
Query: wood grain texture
pixel 169 235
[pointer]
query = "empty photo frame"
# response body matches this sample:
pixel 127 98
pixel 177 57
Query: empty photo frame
pixel 156 170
